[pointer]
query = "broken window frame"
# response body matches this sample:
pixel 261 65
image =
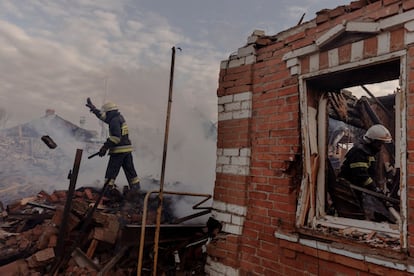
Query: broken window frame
pixel 311 201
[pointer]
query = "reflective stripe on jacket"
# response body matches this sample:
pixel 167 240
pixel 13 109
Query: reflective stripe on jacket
pixel 118 140
pixel 359 166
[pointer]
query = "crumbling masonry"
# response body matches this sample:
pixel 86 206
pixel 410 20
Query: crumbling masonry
pixel 272 160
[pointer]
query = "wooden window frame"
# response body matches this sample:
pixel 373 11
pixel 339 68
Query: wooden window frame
pixel 311 200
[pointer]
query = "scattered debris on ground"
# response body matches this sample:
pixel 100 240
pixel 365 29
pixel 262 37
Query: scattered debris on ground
pixel 102 242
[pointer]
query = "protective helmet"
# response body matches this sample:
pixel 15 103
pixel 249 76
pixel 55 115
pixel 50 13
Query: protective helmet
pixel 379 133
pixel 109 106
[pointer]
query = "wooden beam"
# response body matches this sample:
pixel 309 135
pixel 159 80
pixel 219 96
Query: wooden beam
pixel 92 248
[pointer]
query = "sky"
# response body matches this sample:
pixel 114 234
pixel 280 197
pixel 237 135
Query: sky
pixel 55 54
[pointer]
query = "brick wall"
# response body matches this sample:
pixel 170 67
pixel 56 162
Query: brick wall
pixel 259 144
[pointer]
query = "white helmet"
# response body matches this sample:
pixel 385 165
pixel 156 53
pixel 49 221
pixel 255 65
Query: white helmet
pixel 109 106
pixel 378 132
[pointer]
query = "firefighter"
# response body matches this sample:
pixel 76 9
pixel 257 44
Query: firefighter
pixel 359 168
pixel 359 165
pixel 118 145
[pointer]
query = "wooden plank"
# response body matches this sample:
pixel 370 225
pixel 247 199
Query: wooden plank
pixel 312 185
pixel 314 159
pixel 303 204
pixel 322 136
pixel 92 248
pixel 303 199
pixel 313 130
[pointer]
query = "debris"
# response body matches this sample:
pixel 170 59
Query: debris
pixel 109 245
pixel 49 141
pixel 371 235
pixel 374 239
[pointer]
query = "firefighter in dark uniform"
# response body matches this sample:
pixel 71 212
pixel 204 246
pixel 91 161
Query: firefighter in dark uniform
pixel 359 166
pixel 118 145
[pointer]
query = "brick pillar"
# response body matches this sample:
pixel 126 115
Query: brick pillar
pixel 233 157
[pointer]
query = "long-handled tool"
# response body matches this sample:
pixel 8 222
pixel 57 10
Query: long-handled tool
pixel 93 155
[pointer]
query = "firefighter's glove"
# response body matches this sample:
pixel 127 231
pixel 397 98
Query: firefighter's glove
pixel 90 104
pixel 102 151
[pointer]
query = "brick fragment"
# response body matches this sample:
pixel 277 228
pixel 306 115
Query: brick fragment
pixel 337 12
pixel 41 258
pixel 18 267
pixel 89 194
pixel 322 16
pixel 356 5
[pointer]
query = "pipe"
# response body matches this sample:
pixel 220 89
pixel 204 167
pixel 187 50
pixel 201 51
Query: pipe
pixel 144 220
pixel 143 225
pixel 164 157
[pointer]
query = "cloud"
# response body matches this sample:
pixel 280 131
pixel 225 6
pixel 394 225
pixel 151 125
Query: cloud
pixel 74 56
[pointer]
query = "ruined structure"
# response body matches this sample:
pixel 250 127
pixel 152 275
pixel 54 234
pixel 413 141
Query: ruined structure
pixel 277 148
pixel 27 163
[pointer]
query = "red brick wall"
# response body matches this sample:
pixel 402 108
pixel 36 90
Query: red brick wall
pixel 273 133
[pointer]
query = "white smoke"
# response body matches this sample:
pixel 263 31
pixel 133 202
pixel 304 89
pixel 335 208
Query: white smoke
pixel 189 168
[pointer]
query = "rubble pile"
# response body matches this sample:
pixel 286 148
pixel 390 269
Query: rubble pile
pixel 99 237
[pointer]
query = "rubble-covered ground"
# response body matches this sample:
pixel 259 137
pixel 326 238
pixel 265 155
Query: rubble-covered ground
pixel 51 233
pixel 33 241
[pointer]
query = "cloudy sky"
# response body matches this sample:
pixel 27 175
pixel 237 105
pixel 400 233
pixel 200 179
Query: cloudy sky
pixel 56 53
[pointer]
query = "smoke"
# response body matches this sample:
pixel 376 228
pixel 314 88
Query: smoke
pixel 29 165
pixel 140 89
pixel 189 168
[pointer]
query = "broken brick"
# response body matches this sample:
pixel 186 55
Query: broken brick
pixel 18 267
pixel 41 257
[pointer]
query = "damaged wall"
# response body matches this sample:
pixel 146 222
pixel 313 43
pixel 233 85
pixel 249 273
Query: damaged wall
pixel 267 136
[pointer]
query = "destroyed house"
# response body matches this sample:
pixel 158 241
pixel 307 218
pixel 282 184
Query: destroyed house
pixel 48 124
pixel 290 106
pixel 27 138
pixel 28 164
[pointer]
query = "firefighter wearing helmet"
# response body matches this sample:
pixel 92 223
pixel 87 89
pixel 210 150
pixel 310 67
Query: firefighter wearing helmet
pixel 359 166
pixel 118 145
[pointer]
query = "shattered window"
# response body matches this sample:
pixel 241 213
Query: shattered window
pixel 353 155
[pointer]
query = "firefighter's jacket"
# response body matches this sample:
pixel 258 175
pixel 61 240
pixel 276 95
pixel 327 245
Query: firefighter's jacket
pixel 359 166
pixel 118 141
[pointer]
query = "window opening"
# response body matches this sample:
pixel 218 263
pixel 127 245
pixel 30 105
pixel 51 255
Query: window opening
pixel 341 107
pixel 350 192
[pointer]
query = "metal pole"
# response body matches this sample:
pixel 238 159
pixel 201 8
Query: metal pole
pixel 164 157
pixel 143 225
pixel 144 219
